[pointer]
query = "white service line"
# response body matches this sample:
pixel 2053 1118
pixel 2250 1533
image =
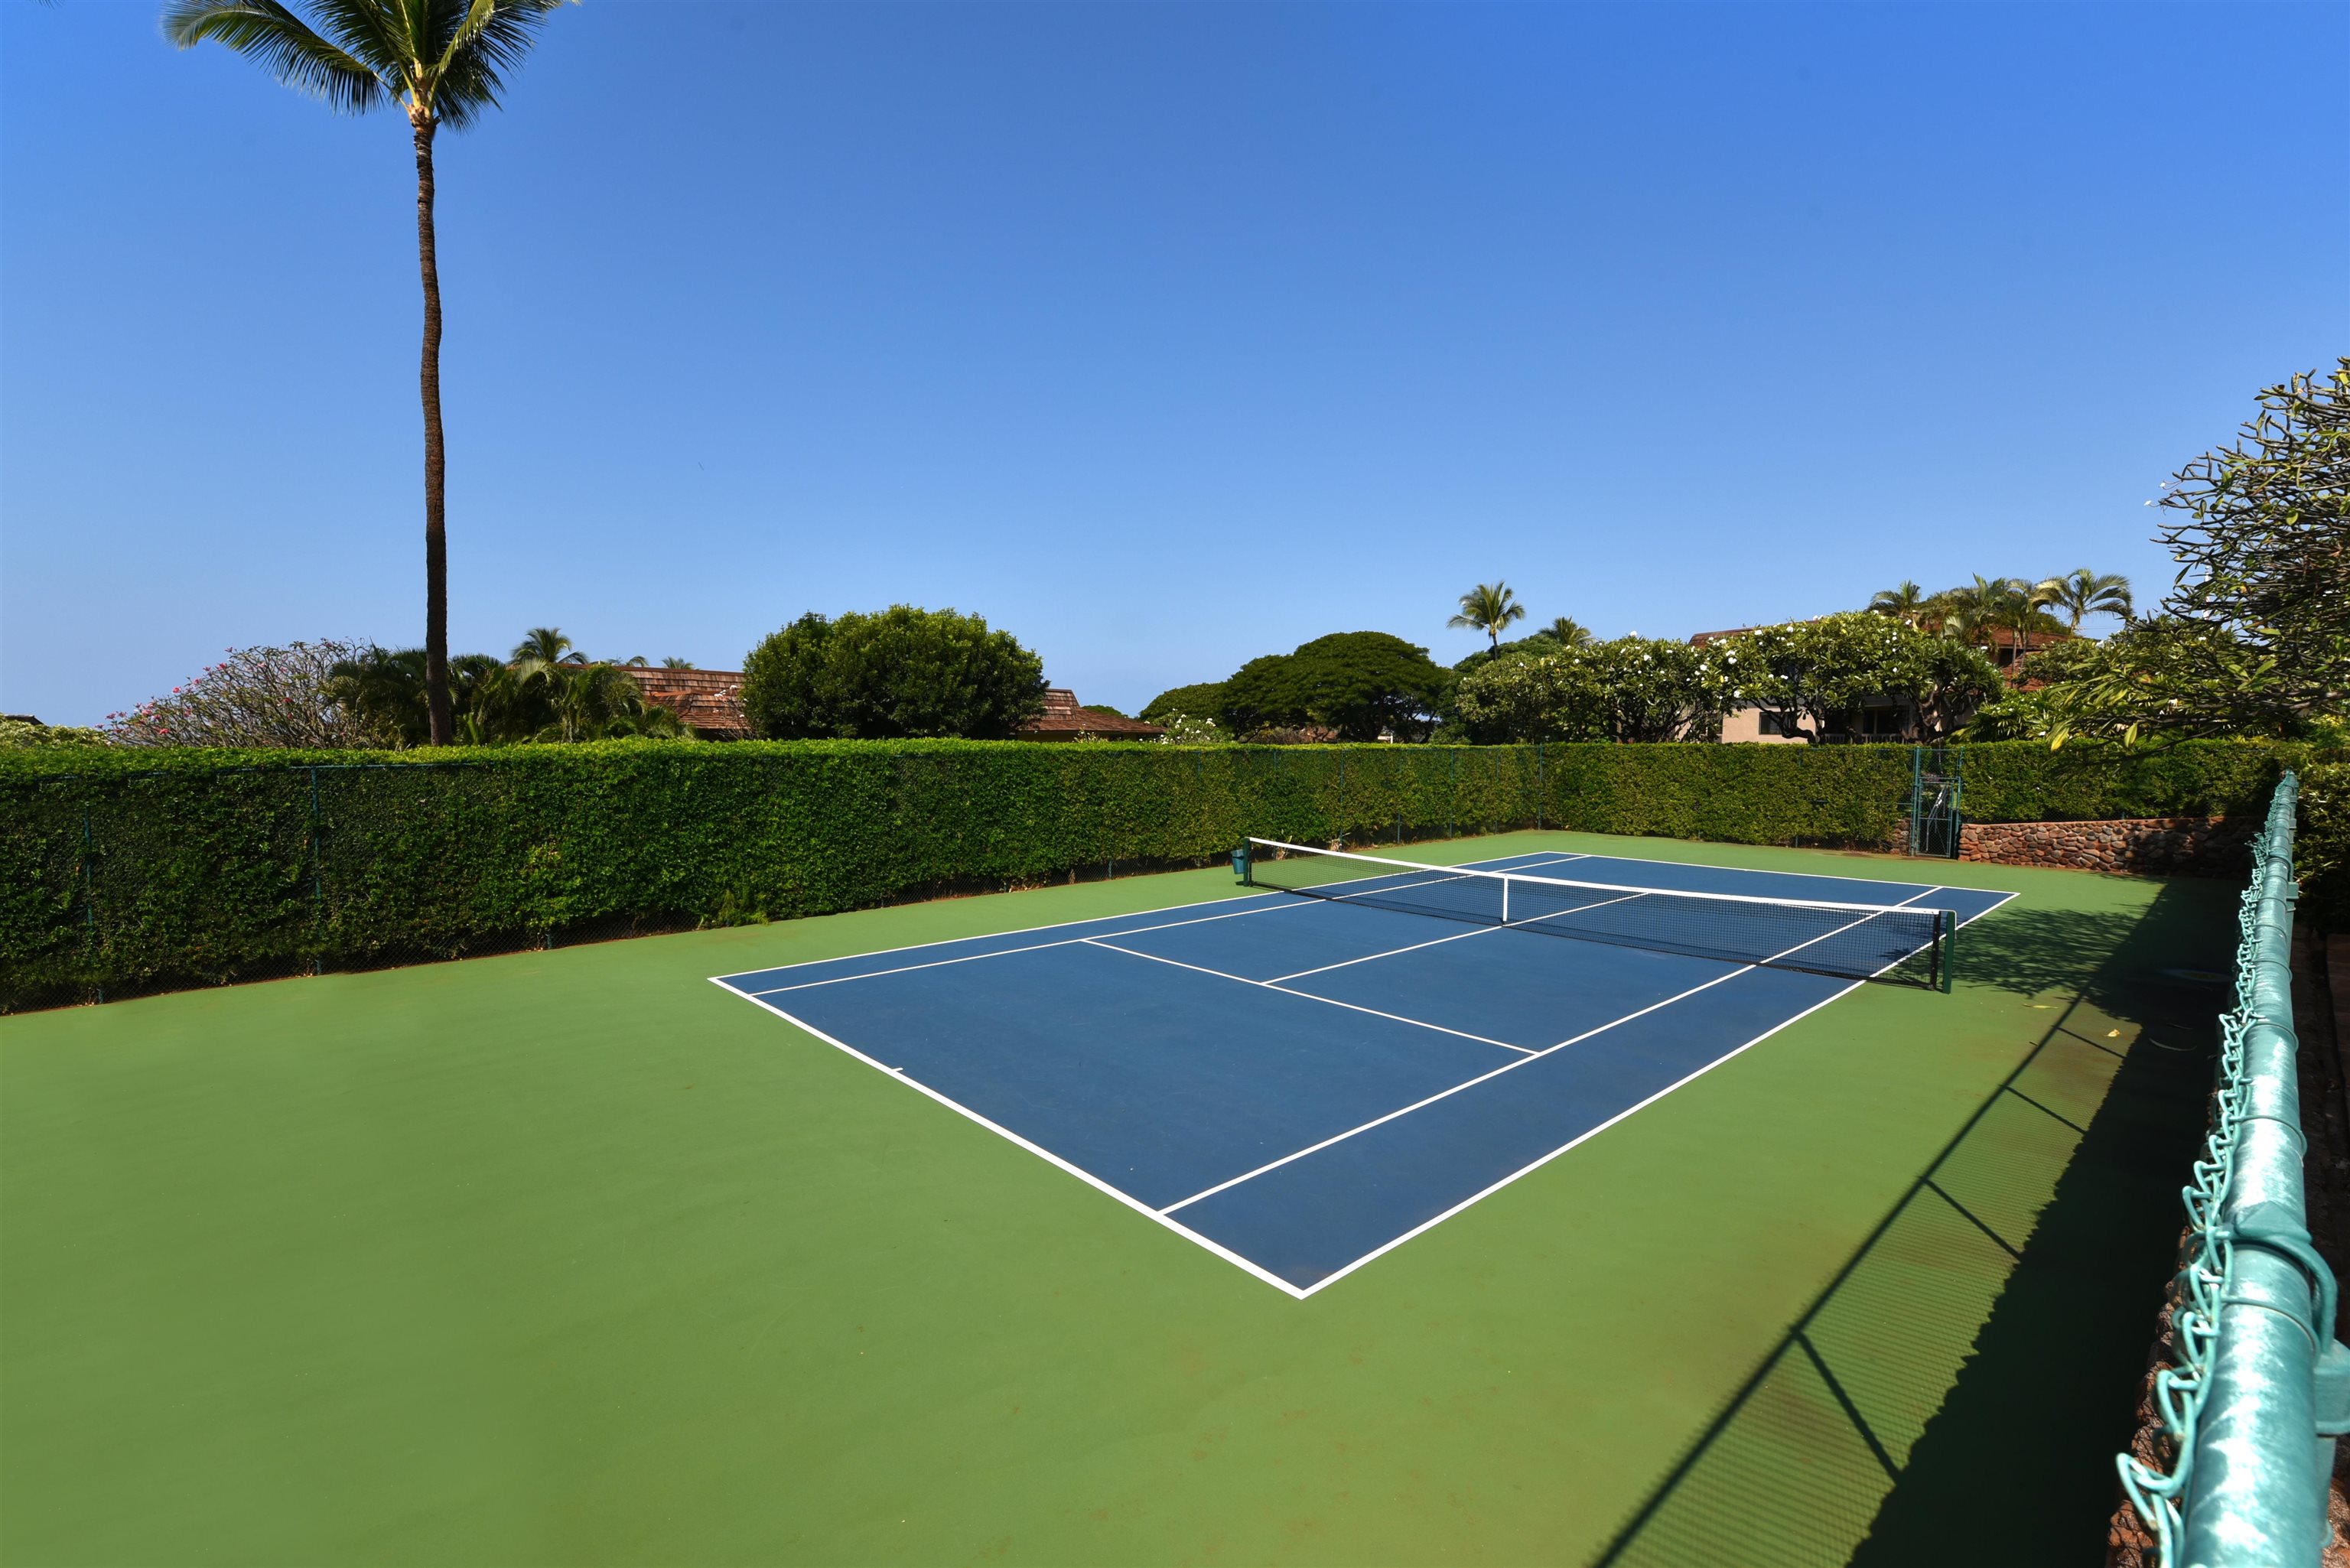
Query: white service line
pixel 1513 1067
pixel 1511 926
pixel 1304 995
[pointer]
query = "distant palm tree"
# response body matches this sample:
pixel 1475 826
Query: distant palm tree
pixel 674 662
pixel 1567 632
pixel 1906 603
pixel 2081 593
pixel 443 61
pixel 543 648
pixel 1488 608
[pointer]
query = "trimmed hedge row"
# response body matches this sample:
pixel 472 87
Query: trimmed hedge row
pixel 142 871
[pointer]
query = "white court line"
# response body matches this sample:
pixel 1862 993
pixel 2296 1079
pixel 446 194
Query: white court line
pixel 1304 995
pixel 1513 1067
pixel 1336 1275
pixel 1511 926
pixel 1759 871
pixel 1235 1258
pixel 1095 1182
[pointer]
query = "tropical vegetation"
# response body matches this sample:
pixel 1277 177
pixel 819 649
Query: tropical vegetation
pixel 444 63
pixel 2253 639
pixel 336 695
pixel 899 673
pixel 1489 607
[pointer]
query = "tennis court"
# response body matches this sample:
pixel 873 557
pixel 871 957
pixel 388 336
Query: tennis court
pixel 1310 1077
pixel 571 1256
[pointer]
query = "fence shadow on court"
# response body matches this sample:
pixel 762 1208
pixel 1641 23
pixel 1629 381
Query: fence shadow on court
pixel 1957 1391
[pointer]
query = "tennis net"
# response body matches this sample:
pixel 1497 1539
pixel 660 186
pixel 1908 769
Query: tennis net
pixel 1902 943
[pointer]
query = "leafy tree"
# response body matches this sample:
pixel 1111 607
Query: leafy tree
pixel 1204 699
pixel 2262 542
pixel 1906 602
pixel 1488 608
pixel 286 696
pixel 2254 639
pixel 444 62
pixel 18 735
pixel 1816 673
pixel 1358 683
pixel 899 673
pixel 1631 689
pixel 2081 593
pixel 1543 697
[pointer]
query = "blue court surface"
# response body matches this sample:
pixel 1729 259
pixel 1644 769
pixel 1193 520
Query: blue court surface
pixel 1302 1083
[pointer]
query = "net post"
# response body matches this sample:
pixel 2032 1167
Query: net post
pixel 1242 865
pixel 1945 949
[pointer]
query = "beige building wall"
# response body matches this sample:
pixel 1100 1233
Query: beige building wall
pixel 1746 724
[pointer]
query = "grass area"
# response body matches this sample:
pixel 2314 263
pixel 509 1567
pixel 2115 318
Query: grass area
pixel 570 1257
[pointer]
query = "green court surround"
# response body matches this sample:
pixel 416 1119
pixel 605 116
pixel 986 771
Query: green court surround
pixel 568 1257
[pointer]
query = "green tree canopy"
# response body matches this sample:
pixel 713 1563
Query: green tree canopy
pixel 901 673
pixel 1358 683
pixel 1202 700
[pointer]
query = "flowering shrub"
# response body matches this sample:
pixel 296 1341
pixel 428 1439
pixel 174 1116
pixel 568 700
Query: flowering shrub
pixel 254 697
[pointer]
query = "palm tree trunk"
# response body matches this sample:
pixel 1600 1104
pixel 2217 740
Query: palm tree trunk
pixel 436 464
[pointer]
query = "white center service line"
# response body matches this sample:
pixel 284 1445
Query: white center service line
pixel 1307 995
pixel 1482 930
pixel 1513 1067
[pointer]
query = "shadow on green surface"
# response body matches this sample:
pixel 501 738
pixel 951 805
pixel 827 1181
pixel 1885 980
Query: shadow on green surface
pixel 1957 1390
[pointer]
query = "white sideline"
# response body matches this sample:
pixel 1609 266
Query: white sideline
pixel 1255 1271
pixel 1095 1182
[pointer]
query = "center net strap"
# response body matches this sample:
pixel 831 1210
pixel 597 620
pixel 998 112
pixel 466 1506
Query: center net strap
pixel 1855 941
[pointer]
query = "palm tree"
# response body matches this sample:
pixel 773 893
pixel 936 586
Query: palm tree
pixel 1567 632
pixel 1906 603
pixel 443 62
pixel 1488 608
pixel 2081 593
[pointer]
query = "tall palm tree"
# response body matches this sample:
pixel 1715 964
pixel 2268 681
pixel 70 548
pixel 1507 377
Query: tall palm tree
pixel 1488 608
pixel 1905 603
pixel 443 61
pixel 2081 593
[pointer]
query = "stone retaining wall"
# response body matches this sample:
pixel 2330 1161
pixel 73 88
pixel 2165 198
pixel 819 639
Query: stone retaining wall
pixel 2147 845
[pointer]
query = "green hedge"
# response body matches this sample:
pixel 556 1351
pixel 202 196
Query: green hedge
pixel 146 870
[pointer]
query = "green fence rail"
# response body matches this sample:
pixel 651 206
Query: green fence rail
pixel 2259 1387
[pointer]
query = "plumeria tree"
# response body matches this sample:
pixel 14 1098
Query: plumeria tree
pixel 290 696
pixel 1631 689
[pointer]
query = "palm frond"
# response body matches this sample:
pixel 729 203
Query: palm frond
pixel 367 29
pixel 478 57
pixel 286 46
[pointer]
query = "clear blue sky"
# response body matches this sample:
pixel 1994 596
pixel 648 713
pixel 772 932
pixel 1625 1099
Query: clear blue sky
pixel 1162 336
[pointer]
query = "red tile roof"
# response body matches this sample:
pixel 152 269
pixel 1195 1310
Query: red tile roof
pixel 1063 720
pixel 711 701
